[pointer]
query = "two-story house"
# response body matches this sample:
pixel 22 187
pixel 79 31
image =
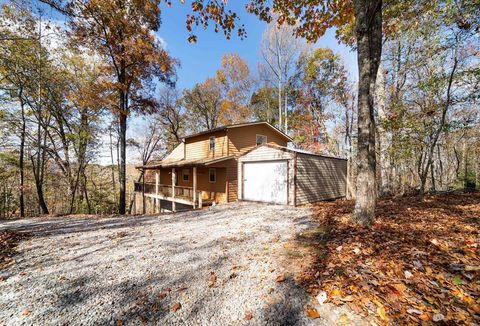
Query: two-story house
pixel 202 169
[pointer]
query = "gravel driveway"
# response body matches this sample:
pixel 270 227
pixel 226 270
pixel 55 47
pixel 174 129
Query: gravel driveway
pixel 217 266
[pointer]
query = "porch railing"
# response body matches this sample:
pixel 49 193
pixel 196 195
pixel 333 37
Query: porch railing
pixel 166 190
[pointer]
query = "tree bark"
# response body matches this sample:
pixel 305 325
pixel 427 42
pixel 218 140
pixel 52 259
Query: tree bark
pixel 21 157
pixel 122 170
pixel 368 15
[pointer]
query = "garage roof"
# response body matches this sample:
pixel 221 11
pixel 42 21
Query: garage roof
pixel 296 150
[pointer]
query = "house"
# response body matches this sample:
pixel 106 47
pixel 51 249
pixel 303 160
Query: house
pixel 206 167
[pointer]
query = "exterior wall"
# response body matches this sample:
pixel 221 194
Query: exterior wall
pixel 320 178
pixel 178 152
pixel 269 154
pixel 199 147
pixel 243 139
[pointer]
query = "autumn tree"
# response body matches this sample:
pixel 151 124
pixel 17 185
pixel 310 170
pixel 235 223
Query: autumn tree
pixel 123 34
pixel 264 104
pixel 204 103
pixel 316 83
pixel 236 83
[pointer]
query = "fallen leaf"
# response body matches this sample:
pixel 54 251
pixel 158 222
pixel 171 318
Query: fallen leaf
pixel 322 297
pixel 312 312
pixel 457 280
pixel 119 322
pixel 335 293
pixel 248 315
pixel 344 320
pixel 212 280
pixel 176 306
pixel 280 278
pixel 400 287
pixel 348 298
pixel 25 313
pixel 414 312
pixel 472 268
pixel 438 317
pixel 382 313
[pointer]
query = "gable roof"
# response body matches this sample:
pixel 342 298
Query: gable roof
pixel 239 125
pixel 294 150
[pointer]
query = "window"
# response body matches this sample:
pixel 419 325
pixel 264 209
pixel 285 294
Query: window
pixel 186 174
pixel 212 175
pixel 212 143
pixel 261 139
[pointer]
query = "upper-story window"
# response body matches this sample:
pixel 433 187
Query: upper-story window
pixel 212 143
pixel 261 139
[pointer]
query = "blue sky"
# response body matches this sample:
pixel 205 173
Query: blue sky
pixel 201 60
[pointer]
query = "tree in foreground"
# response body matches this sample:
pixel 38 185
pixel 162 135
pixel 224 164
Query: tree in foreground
pixel 123 34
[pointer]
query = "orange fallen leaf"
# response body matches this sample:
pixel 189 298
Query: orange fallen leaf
pixel 400 287
pixel 280 278
pixel 312 312
pixel 119 322
pixel 248 315
pixel 335 293
pixel 176 306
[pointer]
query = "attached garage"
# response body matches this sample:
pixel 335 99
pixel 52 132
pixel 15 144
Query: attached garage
pixel 280 175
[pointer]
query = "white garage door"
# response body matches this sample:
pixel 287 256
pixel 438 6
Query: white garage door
pixel 265 181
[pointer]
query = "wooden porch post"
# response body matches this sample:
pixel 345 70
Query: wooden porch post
pixel 157 181
pixel 143 192
pixel 174 209
pixel 194 187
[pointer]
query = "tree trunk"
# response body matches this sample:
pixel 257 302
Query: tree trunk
pixel 279 104
pixel 368 14
pixel 21 158
pixel 122 171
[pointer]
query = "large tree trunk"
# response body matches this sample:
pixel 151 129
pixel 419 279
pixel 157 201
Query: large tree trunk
pixel 368 15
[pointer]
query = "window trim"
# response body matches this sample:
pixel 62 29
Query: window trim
pixel 212 149
pixel 214 175
pixel 260 135
pixel 186 172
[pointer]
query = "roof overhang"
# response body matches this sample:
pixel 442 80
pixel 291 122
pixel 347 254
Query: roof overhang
pixel 185 163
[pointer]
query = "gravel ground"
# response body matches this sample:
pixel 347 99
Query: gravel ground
pixel 100 271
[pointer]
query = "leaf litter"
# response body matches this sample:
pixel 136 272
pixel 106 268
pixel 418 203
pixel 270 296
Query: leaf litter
pixel 417 264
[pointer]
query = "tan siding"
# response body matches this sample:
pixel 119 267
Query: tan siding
pixel 320 178
pixel 178 153
pixel 243 139
pixel 232 180
pixel 199 147
pixel 269 154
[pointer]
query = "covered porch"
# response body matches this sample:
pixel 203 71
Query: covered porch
pixel 181 185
